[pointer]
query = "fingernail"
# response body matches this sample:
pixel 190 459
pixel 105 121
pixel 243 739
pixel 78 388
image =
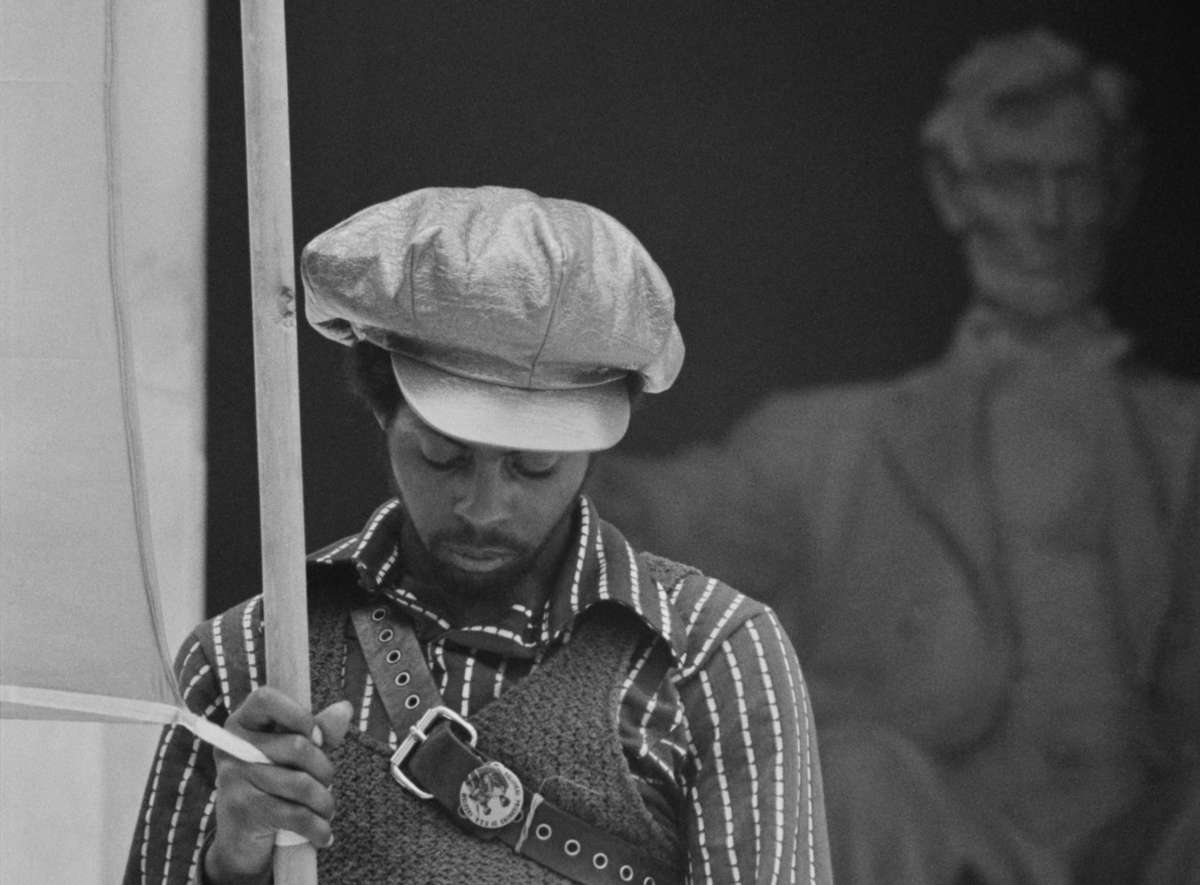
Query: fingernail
pixel 329 842
pixel 317 737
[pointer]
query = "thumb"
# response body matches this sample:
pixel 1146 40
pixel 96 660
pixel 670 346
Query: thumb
pixel 332 723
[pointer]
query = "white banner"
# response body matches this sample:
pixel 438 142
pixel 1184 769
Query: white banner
pixel 102 147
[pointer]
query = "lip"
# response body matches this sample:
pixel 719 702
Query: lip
pixel 477 559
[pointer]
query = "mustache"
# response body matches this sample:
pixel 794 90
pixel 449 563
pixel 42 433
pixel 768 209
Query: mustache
pixel 469 536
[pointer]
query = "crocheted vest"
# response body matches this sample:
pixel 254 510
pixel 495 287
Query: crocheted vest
pixel 557 730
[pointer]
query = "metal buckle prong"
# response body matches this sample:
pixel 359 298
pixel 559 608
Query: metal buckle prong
pixel 417 735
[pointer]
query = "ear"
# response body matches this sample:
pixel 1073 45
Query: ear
pixel 946 189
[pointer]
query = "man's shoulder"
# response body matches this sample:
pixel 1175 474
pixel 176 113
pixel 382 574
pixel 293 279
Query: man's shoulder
pixel 243 619
pixel 330 583
pixel 232 643
pixel 706 611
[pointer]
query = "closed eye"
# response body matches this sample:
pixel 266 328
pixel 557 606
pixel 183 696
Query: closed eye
pixel 441 453
pixel 448 464
pixel 534 465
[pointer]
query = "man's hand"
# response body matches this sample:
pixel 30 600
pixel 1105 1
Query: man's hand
pixel 254 800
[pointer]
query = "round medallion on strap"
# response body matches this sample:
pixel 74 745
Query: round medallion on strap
pixel 491 796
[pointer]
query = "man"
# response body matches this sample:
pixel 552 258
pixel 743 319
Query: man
pixel 991 566
pixel 523 697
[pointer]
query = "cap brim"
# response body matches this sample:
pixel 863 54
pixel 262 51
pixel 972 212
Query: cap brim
pixel 581 419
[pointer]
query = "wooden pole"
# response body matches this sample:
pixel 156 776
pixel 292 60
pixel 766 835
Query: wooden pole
pixel 276 384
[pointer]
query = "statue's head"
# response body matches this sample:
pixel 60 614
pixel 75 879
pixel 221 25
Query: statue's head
pixel 1033 160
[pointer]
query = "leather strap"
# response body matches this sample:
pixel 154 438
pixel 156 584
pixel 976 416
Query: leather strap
pixel 442 762
pixel 544 832
pixel 397 666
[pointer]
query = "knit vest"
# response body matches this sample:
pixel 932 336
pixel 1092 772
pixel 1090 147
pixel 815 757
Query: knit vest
pixel 557 730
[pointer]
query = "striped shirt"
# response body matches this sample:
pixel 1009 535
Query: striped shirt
pixel 715 719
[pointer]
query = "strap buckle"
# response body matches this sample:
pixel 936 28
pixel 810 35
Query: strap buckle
pixel 416 736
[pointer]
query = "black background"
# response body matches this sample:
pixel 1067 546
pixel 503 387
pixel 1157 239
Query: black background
pixel 765 153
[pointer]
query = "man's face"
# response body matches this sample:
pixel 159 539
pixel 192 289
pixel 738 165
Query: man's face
pixel 1040 210
pixel 484 517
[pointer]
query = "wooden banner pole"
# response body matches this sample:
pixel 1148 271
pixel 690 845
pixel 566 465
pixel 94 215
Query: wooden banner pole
pixel 276 376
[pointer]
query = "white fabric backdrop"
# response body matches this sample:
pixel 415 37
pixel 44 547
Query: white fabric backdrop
pixel 69 792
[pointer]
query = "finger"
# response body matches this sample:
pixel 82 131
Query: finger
pixel 268 709
pixel 292 751
pixel 280 814
pixel 332 724
pixel 259 786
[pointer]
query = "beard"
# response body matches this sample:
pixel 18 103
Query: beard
pixel 1034 281
pixel 469 585
pixel 428 561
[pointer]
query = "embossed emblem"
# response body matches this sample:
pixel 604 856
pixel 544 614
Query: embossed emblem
pixel 491 796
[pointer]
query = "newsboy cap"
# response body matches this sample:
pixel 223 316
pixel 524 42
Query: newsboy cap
pixel 512 320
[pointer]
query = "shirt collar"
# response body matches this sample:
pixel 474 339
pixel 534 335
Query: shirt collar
pixel 601 567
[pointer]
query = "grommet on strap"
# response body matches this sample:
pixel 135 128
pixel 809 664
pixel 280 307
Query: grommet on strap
pixel 438 760
pixel 390 648
pixel 543 830
pixel 584 854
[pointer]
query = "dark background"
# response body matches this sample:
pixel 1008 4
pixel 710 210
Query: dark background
pixel 765 153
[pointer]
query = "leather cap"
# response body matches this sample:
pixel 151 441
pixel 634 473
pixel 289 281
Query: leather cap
pixel 513 320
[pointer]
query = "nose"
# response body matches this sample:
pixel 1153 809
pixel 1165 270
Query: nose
pixel 483 498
